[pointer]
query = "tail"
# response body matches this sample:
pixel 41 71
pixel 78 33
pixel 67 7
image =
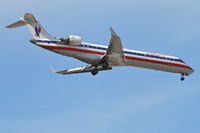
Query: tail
pixel 37 31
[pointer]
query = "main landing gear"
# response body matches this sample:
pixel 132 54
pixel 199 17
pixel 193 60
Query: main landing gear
pixel 104 65
pixel 94 72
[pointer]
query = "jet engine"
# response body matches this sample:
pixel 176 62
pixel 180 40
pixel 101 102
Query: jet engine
pixel 72 40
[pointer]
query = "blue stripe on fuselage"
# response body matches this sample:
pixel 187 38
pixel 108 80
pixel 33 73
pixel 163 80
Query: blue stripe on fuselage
pixel 126 52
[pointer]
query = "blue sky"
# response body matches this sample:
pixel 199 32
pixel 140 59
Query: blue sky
pixel 126 99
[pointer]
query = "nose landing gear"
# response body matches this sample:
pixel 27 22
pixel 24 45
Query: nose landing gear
pixel 182 76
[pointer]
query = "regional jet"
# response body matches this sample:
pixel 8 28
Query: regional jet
pixel 100 57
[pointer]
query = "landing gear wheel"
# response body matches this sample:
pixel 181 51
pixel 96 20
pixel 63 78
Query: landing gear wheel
pixel 105 65
pixel 94 72
pixel 182 78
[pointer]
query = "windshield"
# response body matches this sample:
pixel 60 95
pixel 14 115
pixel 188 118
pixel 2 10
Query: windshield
pixel 181 61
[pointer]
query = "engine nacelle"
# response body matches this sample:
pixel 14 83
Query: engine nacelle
pixel 72 40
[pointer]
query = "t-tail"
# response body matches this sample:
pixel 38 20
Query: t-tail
pixel 37 31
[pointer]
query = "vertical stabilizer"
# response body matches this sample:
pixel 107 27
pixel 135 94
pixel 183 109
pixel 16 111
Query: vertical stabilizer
pixel 37 31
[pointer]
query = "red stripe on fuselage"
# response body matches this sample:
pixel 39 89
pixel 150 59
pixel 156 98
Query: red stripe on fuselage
pixel 159 62
pixel 127 57
pixel 72 49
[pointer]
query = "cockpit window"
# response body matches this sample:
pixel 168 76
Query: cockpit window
pixel 181 61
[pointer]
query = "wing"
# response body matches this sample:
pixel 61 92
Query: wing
pixel 114 54
pixel 82 69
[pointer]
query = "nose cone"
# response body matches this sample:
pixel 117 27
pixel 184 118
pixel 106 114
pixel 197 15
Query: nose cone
pixel 190 70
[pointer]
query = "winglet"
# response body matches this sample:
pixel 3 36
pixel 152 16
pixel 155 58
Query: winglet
pixel 52 69
pixel 113 33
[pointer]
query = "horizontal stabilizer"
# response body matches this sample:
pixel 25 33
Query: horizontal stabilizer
pixel 17 24
pixel 79 70
pixel 27 19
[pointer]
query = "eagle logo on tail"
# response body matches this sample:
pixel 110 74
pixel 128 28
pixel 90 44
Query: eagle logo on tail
pixel 37 30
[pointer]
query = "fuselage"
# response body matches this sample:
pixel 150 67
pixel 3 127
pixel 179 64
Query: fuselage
pixel 91 53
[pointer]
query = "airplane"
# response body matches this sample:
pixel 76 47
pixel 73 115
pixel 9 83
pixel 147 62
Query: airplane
pixel 100 57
